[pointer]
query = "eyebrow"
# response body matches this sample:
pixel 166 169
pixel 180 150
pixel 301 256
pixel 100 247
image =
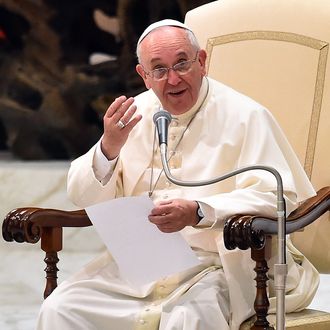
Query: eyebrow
pixel 156 59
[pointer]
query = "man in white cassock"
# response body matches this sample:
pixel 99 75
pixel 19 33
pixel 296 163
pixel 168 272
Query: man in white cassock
pixel 214 130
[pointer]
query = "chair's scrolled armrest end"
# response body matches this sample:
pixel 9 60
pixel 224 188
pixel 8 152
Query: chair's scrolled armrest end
pixel 238 233
pixel 27 224
pixel 17 226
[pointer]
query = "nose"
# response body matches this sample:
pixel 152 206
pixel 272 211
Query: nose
pixel 173 77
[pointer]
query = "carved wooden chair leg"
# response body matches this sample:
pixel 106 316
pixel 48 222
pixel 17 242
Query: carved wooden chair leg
pixel 261 303
pixel 51 243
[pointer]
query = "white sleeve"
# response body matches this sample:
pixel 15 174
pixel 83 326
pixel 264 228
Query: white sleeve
pixel 102 167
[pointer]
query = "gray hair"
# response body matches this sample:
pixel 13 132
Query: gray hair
pixel 191 36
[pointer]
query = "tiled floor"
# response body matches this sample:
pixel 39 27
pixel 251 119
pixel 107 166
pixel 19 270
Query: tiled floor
pixel 21 267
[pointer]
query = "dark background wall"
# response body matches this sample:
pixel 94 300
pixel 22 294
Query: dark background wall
pixel 52 98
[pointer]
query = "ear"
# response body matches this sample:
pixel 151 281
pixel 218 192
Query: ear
pixel 142 74
pixel 202 61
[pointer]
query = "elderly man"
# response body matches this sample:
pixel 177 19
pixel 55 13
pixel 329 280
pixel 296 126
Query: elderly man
pixel 214 131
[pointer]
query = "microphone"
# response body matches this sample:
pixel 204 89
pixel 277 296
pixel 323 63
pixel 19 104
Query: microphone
pixel 162 120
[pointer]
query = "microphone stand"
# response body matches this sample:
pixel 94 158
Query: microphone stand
pixel 280 269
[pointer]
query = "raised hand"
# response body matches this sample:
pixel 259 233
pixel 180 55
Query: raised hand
pixel 118 122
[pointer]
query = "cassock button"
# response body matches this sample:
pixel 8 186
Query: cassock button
pixel 172 153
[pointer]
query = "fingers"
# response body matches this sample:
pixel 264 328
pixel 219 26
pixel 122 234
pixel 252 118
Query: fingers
pixel 125 112
pixel 164 223
pixel 165 219
pixel 116 105
pixel 173 215
pixel 121 109
pixel 120 114
pixel 160 210
pixel 128 120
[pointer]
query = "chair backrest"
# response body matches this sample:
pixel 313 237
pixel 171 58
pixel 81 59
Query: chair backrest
pixel 276 52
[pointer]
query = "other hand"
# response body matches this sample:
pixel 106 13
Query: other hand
pixel 173 215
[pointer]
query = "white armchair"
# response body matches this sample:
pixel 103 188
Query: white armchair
pixel 276 52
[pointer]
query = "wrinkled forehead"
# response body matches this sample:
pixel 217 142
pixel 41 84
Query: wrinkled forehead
pixel 166 43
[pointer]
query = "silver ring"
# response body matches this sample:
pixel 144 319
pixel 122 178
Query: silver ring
pixel 121 124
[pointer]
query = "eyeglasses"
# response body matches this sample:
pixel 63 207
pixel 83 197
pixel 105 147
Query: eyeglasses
pixel 180 68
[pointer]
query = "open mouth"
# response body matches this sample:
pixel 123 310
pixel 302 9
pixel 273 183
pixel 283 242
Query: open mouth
pixel 177 93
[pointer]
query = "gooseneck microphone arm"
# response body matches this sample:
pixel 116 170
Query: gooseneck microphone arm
pixel 162 120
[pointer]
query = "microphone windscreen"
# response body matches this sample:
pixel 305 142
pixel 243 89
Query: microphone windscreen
pixel 164 114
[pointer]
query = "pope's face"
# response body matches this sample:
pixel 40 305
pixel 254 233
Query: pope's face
pixel 164 48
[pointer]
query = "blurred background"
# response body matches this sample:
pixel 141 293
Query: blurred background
pixel 61 65
pixel 62 62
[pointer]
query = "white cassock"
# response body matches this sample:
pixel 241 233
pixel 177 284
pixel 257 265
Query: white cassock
pixel 228 131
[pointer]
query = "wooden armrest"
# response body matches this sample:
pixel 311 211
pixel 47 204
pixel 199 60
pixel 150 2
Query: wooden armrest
pixel 322 198
pixel 27 224
pixel 249 231
pixel 30 224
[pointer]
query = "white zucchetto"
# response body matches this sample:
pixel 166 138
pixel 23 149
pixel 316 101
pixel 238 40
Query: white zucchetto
pixel 164 22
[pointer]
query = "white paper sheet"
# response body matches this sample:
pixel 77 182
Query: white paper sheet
pixel 143 253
